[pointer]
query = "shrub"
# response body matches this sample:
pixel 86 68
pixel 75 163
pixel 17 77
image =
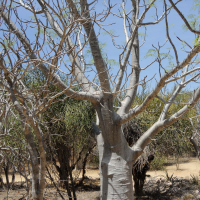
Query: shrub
pixel 158 163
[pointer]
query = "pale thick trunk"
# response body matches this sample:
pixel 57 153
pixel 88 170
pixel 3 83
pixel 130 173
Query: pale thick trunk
pixel 116 179
pixel 115 156
pixel 115 171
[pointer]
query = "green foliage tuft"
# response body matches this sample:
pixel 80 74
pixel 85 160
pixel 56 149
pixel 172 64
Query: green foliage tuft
pixel 159 162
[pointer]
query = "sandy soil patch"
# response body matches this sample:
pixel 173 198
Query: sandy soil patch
pixel 186 168
pixel 189 167
pixel 153 189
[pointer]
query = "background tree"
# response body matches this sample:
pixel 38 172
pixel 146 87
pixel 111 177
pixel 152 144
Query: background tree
pixel 27 108
pixel 68 140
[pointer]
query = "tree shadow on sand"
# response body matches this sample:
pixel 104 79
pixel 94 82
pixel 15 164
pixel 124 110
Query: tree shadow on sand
pixel 170 190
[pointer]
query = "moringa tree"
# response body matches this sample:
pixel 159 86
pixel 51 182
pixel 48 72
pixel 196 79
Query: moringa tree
pixel 65 30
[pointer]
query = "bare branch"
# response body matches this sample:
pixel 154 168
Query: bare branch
pixel 183 18
pixel 124 21
pixel 160 18
pixel 159 125
pixel 128 48
pixel 159 86
pixel 28 7
pixel 55 78
pixel 94 44
pixel 167 31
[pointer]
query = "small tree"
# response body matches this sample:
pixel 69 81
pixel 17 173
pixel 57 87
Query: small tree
pixel 26 106
pixel 67 138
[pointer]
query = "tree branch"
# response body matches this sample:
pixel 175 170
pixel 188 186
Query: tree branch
pixel 159 125
pixel 93 41
pixel 183 18
pixel 135 72
pixel 135 111
pixel 73 55
pixel 160 19
pixel 55 78
pixel 128 47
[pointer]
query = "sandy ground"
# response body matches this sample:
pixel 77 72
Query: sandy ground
pixel 177 192
pixel 186 169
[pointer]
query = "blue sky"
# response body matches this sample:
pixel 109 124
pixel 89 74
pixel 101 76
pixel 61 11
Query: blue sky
pixel 155 34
